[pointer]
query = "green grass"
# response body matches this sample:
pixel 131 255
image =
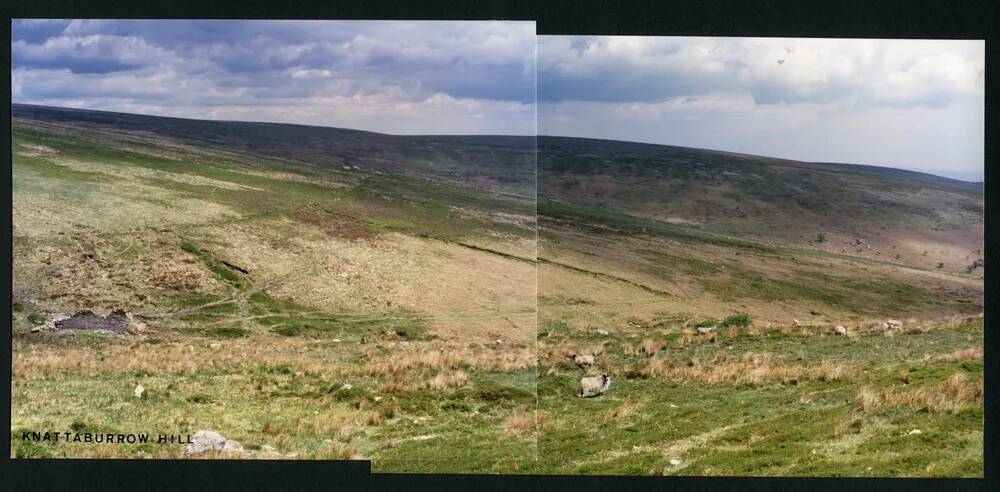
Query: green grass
pixel 222 271
pixel 772 429
pixel 739 319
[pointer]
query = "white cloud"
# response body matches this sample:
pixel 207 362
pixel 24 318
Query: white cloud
pixel 915 104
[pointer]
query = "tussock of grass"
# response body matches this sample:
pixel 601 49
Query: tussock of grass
pixel 649 346
pixel 753 369
pixel 626 408
pixel 738 319
pixel 446 380
pixel 518 425
pixel 953 395
pixel 971 353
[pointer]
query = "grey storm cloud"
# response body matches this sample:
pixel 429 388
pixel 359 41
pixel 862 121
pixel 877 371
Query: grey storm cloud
pixel 483 71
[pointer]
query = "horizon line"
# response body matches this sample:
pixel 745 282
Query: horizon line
pixel 536 136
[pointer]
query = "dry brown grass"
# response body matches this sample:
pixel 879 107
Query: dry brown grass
pixel 446 380
pixel 626 408
pixel 649 346
pixel 950 396
pixel 520 424
pixel 971 353
pixel 752 368
pixel 302 355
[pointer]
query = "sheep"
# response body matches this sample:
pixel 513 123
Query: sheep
pixel 594 386
pixel 582 360
pixel 840 330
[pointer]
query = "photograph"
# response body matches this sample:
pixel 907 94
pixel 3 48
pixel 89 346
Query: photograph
pixel 497 249
pixel 760 256
pixel 266 239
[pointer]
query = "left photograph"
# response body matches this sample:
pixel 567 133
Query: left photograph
pixel 275 240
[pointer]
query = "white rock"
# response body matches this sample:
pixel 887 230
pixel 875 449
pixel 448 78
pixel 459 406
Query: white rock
pixel 336 340
pixel 215 345
pixel 346 386
pixel 602 331
pixel 796 322
pixel 267 452
pixel 675 462
pixel 231 446
pixel 204 441
pixel 914 432
pixel 139 391
pixel 894 323
pixel 36 329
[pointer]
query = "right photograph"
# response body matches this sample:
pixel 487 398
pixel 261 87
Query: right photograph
pixel 760 256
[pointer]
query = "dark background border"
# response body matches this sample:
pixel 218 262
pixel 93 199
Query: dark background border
pixel 965 19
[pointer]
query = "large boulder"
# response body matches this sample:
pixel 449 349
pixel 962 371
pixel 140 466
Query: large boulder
pixel 205 441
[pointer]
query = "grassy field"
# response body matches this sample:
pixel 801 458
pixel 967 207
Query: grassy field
pixel 755 401
pixel 323 311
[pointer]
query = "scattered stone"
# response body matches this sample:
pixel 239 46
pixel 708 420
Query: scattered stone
pixel 346 386
pixel 839 330
pixel 139 391
pixel 894 323
pixel 601 331
pixel 796 322
pixel 204 441
pixel 231 446
pixel 36 329
pixel 267 452
pixel 675 462
pixel 215 345
pixel 499 341
pixel 915 432
pixel 336 340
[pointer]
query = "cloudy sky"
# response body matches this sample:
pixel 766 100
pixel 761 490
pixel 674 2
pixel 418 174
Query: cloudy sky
pixel 912 104
pixel 395 77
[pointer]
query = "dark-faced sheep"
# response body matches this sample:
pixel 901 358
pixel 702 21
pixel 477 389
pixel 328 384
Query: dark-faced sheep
pixel 594 386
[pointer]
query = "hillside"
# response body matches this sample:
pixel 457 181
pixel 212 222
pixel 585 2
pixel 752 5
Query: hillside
pixel 899 216
pixel 497 162
pixel 735 342
pixel 325 311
